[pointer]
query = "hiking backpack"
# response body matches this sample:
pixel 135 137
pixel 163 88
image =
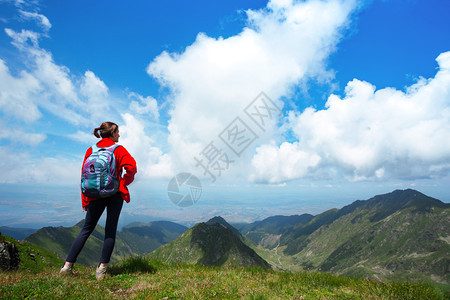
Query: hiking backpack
pixel 99 176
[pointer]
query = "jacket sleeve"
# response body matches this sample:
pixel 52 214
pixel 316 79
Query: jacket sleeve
pixel 85 200
pixel 125 162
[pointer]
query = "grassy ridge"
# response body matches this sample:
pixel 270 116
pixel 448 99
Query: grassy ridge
pixel 141 278
pixel 60 239
pixel 32 257
pixel 209 244
pixel 399 236
pixel 135 238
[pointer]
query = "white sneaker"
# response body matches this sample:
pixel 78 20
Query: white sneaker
pixel 66 270
pixel 100 272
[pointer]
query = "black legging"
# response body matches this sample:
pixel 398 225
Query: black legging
pixel 95 210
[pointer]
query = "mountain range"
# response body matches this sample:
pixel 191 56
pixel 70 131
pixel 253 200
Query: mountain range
pixel 402 235
pixel 135 238
pixel 16 233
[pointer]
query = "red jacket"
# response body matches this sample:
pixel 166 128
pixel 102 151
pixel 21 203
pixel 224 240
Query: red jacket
pixel 123 161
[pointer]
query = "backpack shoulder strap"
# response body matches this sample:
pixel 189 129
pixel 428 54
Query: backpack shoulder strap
pixel 95 148
pixel 112 148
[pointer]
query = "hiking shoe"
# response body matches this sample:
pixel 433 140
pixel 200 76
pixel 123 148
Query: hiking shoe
pixel 66 270
pixel 100 272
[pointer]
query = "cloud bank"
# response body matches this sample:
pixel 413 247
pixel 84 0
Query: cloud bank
pixel 214 79
pixel 369 134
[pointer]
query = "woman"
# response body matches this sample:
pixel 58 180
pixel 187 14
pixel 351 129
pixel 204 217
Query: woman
pixel 94 207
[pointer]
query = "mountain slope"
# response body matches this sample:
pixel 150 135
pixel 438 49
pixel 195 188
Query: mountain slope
pixel 60 239
pixel 17 233
pixel 267 232
pixel 143 238
pixel 33 258
pixel 413 238
pixel 220 220
pixel 137 238
pixel 399 235
pixel 211 244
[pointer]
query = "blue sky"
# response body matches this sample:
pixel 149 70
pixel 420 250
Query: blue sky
pixel 361 93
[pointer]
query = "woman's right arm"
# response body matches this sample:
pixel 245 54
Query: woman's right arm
pixel 127 162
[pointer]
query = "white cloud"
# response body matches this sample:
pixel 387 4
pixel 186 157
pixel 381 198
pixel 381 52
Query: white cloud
pixel 144 106
pixel 20 39
pixel 282 163
pixel 96 96
pixel 20 136
pixel 55 170
pixel 41 19
pixel 213 80
pixel 16 94
pixel 49 86
pixel 369 134
pixel 83 137
pixel 22 167
pixel 151 161
pixel 56 94
pixel 93 88
pixel 55 77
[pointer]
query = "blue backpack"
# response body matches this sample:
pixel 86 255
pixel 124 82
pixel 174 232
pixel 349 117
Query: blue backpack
pixel 98 177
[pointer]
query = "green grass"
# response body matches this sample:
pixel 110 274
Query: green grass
pixel 141 278
pixel 32 257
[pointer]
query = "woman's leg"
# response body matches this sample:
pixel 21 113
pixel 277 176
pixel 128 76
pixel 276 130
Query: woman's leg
pixel 113 208
pixel 94 212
